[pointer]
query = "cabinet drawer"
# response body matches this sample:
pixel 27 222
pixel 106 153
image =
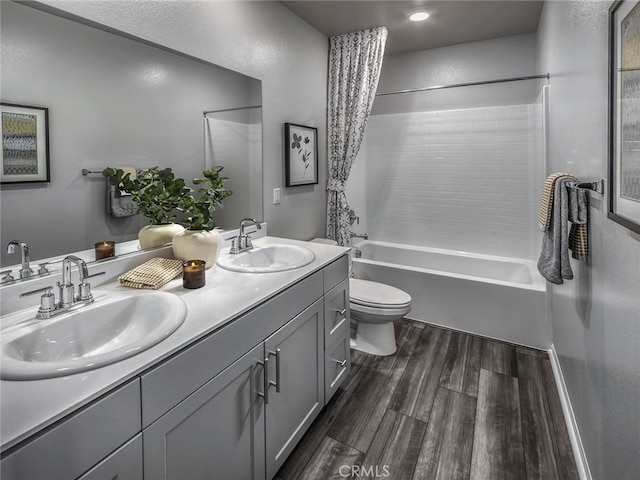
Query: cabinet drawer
pixel 170 383
pixel 336 313
pixel 80 441
pixel 336 272
pixel 125 463
pixel 337 365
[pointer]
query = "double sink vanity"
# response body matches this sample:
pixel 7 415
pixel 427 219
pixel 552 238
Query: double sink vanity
pixel 217 382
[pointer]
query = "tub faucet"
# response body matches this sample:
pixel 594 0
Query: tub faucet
pixel 364 236
pixel 25 271
pixel 242 242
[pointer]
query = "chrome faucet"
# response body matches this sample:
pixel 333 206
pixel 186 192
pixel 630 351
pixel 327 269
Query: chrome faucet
pixel 67 297
pixel 25 271
pixel 67 300
pixel 360 235
pixel 242 242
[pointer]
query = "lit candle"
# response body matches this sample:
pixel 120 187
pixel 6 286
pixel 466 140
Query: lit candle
pixel 193 275
pixel 105 249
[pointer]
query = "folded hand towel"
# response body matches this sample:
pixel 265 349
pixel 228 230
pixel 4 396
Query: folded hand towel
pixel 152 274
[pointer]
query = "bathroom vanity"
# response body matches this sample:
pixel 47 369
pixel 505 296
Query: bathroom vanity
pixel 228 395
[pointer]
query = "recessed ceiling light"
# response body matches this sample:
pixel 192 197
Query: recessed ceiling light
pixel 419 16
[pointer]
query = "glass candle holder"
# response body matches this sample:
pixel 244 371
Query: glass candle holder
pixel 193 274
pixel 105 249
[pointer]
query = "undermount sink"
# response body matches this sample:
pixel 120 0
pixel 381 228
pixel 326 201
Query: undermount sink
pixel 100 334
pixel 268 258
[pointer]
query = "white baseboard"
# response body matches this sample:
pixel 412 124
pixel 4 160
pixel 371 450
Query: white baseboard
pixel 567 410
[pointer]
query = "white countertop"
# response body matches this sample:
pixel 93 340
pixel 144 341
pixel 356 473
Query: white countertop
pixel 28 406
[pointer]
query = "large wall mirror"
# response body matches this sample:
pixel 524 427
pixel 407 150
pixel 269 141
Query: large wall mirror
pixel 116 101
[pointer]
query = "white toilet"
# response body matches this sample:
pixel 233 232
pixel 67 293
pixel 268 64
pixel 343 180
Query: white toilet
pixel 375 306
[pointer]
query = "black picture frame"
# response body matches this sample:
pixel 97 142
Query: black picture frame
pixel 25 144
pixel 300 155
pixel 624 114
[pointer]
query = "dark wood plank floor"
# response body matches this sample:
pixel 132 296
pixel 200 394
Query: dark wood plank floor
pixel 446 405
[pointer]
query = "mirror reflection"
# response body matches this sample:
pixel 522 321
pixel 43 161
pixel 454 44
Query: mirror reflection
pixel 114 101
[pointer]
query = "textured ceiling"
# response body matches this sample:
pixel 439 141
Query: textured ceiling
pixel 451 22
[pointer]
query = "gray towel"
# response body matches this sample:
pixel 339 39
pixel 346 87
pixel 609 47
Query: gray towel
pixel 119 206
pixel 554 263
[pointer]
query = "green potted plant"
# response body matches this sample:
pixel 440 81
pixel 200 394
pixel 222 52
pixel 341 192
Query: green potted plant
pixel 200 241
pixel 157 193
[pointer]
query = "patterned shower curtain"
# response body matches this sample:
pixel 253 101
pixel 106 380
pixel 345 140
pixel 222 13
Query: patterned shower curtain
pixel 355 61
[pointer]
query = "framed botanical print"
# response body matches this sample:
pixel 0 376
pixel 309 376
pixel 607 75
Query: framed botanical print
pixel 25 144
pixel 300 155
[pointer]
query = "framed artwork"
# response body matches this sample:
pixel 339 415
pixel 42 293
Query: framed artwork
pixel 25 144
pixel 300 155
pixel 624 113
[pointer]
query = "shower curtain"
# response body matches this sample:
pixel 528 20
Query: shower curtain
pixel 355 61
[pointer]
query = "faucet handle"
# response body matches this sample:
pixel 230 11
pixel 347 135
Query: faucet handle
pixel 47 301
pixel 7 276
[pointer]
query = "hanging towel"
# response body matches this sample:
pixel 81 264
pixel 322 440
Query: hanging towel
pixel 568 203
pixel 119 203
pixel 578 211
pixel 152 274
pixel 544 217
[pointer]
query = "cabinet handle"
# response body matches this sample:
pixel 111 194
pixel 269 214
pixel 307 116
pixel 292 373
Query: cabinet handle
pixel 277 382
pixel 341 312
pixel 342 363
pixel 265 380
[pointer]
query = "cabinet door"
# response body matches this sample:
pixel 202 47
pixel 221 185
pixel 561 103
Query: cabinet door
pixel 296 353
pixel 215 433
pixel 123 464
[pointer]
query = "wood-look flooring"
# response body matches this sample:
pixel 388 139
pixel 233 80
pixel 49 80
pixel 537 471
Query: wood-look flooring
pixel 446 405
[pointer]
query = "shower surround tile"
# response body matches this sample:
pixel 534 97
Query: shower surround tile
pixel 460 179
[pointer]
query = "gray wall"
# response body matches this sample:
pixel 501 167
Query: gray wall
pixel 263 40
pixel 470 62
pixel 112 102
pixel 596 316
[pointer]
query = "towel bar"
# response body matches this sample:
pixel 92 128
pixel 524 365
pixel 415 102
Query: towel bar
pixel 596 186
pixel 86 172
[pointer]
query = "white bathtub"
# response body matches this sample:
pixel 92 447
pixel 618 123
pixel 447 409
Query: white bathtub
pixel 497 297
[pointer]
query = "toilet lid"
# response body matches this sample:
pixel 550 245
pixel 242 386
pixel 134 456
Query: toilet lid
pixel 365 292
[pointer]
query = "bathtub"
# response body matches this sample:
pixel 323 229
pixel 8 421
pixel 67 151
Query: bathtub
pixel 497 297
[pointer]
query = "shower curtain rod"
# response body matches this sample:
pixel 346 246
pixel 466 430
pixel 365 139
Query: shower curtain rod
pixel 455 85
pixel 206 112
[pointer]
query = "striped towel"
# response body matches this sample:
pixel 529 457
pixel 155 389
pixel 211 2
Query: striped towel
pixel 152 274
pixel 546 205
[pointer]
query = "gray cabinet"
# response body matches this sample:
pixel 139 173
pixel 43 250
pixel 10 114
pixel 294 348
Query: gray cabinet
pixel 123 464
pixel 337 353
pixel 80 441
pixel 232 405
pixel 217 432
pixel 296 367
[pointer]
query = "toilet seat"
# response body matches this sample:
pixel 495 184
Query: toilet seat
pixel 372 295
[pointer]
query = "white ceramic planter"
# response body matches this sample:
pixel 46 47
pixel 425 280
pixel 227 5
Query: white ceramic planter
pixel 198 245
pixel 155 235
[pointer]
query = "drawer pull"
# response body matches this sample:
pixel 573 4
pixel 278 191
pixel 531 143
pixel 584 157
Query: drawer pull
pixel 342 363
pixel 341 312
